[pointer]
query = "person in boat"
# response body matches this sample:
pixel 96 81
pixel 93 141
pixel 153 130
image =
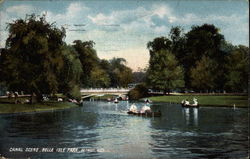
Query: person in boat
pixel 195 102
pixel 116 100
pixel 147 101
pixel 133 108
pixel 185 102
pixel 145 109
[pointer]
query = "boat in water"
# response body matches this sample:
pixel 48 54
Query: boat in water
pixel 116 101
pixel 145 111
pixel 147 101
pixel 185 103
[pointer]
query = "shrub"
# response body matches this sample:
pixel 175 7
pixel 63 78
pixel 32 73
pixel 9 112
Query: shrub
pixel 140 91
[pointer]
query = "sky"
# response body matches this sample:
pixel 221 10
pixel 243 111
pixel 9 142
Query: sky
pixel 122 28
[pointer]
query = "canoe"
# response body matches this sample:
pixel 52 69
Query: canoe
pixel 147 114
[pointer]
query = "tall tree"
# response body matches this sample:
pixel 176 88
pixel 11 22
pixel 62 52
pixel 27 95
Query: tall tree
pixel 139 76
pixel 71 72
pixel 203 75
pixel 178 41
pixel 238 68
pixel 88 58
pixel 160 43
pixel 99 78
pixel 120 74
pixel 34 60
pixel 164 73
pixel 204 40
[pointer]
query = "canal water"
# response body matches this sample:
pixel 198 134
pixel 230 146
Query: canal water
pixel 104 130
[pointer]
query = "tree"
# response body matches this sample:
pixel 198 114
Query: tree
pixel 237 67
pixel 138 92
pixel 160 43
pixel 164 73
pixel 88 58
pixel 105 64
pixel 3 56
pixel 33 61
pixel 139 76
pixel 120 74
pixel 191 48
pixel 71 72
pixel 203 75
pixel 178 41
pixel 204 40
pixel 125 76
pixel 99 78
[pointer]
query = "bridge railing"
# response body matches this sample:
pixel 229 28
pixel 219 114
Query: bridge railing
pixel 103 90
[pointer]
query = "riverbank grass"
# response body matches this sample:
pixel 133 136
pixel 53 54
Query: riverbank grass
pixel 205 100
pixel 45 106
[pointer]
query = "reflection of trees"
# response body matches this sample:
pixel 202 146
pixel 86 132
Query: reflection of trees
pixel 69 128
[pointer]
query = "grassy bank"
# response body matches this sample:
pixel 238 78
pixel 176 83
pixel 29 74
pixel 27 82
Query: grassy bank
pixel 205 100
pixel 46 106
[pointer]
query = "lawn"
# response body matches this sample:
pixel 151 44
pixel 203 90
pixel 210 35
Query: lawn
pixel 205 100
pixel 45 106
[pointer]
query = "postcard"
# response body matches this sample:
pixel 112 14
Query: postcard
pixel 124 79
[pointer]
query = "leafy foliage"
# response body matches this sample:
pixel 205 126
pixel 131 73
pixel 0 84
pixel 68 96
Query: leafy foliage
pixel 120 74
pixel 33 60
pixel 71 72
pixel 209 62
pixel 238 68
pixel 203 75
pixel 138 92
pixel 99 78
pixel 88 58
pixel 164 72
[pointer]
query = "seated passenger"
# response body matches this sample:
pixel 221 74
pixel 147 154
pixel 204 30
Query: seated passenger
pixel 145 109
pixel 133 108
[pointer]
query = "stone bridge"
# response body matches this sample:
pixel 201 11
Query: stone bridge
pixel 102 91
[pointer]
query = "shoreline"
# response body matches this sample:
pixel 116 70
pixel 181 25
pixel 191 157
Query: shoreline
pixel 208 106
pixel 206 100
pixel 6 109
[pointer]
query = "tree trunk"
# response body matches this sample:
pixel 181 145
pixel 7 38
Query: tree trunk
pixel 32 98
pixel 164 92
pixel 39 97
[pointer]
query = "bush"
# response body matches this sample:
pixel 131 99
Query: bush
pixel 75 93
pixel 140 91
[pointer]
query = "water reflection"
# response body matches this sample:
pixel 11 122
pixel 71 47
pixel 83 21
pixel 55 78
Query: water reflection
pixel 57 129
pixel 179 133
pixel 191 116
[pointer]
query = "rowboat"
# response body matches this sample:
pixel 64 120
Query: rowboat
pixel 190 105
pixel 186 103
